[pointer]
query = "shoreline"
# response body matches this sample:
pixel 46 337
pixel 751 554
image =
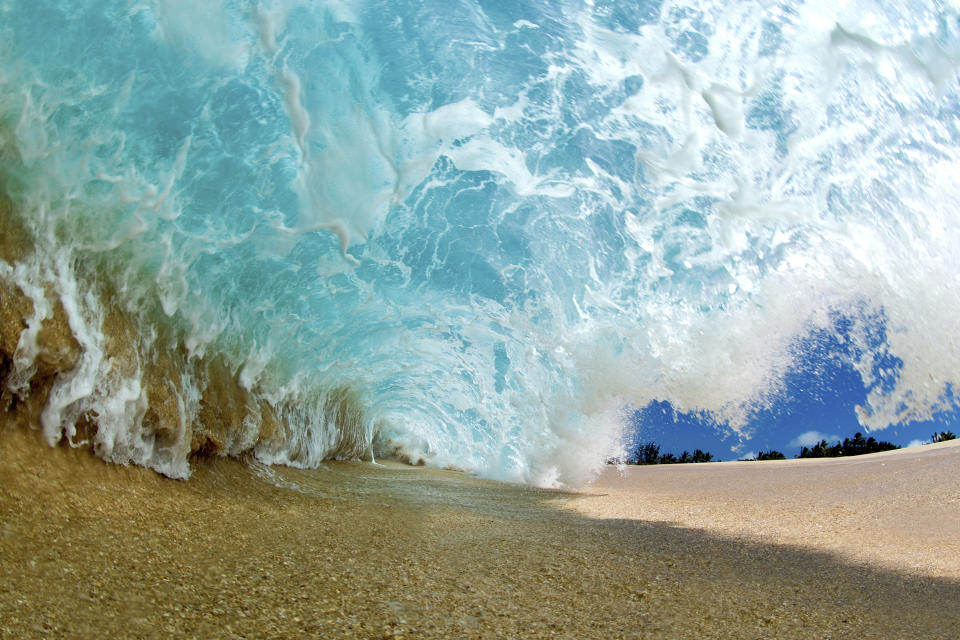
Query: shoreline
pixel 89 549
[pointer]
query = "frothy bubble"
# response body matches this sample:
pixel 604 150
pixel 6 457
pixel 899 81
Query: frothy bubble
pixel 472 235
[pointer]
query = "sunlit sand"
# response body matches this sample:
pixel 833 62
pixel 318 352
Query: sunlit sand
pixel 897 510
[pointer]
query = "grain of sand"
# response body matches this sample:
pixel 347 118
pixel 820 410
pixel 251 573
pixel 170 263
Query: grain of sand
pixel 352 550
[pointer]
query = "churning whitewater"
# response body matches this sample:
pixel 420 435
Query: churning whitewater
pixel 470 233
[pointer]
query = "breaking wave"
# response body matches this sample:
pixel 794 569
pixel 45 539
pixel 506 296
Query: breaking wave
pixel 467 233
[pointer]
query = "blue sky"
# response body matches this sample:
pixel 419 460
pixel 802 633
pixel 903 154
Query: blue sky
pixel 819 401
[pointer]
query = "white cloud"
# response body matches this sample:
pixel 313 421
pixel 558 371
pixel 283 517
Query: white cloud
pixel 917 443
pixel 811 438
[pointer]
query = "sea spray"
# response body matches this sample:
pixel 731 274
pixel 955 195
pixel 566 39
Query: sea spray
pixel 472 235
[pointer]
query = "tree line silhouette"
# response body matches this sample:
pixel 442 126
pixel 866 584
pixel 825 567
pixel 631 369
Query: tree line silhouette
pixel 647 453
pixel 856 446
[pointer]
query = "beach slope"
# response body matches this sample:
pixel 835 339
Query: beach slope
pixel 894 510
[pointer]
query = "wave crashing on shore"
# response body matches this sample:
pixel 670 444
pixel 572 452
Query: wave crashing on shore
pixel 466 233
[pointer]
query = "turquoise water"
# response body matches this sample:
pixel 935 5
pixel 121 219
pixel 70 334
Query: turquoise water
pixel 499 225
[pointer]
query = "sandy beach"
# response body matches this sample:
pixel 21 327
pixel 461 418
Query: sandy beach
pixel 894 510
pixel 857 548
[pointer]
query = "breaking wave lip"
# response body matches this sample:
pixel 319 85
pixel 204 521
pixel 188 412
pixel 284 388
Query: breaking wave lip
pixel 469 236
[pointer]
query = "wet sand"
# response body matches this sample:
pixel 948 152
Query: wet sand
pixel 89 550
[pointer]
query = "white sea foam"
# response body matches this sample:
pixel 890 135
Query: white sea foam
pixel 492 232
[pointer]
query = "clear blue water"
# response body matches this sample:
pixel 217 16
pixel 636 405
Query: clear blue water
pixel 503 226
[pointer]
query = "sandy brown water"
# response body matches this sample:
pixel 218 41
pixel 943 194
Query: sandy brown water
pixel 90 550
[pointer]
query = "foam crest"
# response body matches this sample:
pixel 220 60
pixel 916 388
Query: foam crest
pixel 471 235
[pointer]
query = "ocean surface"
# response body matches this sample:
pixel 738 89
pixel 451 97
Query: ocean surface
pixel 476 234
